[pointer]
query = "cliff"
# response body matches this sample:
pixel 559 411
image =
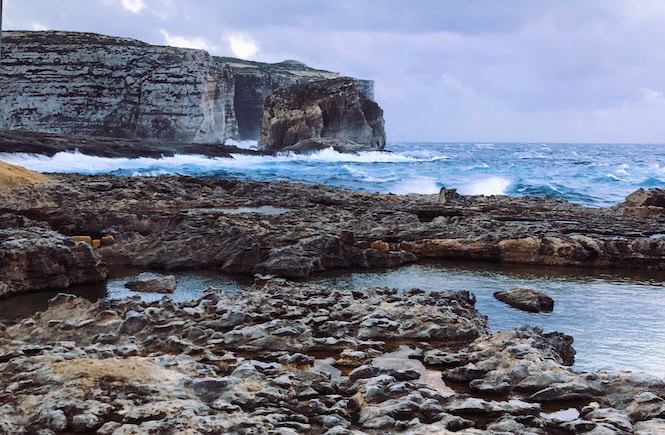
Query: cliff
pixel 320 114
pixel 90 84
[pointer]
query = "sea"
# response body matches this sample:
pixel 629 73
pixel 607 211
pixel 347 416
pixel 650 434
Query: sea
pixel 595 175
pixel 616 316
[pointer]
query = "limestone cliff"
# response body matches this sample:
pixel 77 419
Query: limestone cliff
pixel 320 114
pixel 83 83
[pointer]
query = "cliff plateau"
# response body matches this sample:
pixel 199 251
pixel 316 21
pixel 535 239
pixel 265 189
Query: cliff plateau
pixel 90 84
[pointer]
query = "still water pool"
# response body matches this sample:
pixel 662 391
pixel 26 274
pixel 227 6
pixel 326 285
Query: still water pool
pixel 616 318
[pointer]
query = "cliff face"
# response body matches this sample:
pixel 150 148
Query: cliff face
pixel 81 83
pixel 322 114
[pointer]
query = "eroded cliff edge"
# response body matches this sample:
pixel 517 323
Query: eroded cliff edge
pixel 90 84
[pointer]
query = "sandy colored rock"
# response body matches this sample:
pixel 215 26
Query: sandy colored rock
pixel 107 240
pixel 380 246
pixel 83 239
pixel 12 176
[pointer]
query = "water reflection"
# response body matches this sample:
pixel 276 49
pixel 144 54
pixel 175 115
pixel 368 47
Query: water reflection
pixel 615 317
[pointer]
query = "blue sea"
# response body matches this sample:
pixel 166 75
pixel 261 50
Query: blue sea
pixel 595 175
pixel 615 316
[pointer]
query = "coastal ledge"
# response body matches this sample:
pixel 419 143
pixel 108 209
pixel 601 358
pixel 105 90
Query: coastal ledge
pixel 177 222
pixel 292 358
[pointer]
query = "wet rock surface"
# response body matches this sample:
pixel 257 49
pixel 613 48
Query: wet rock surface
pixel 526 299
pixel 198 223
pixel 260 362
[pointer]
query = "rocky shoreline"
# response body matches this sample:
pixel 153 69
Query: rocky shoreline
pixel 295 230
pixel 289 357
pixel 286 358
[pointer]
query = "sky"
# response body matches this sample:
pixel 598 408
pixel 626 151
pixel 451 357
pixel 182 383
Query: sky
pixel 444 70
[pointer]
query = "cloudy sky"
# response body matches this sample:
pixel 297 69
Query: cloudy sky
pixel 445 70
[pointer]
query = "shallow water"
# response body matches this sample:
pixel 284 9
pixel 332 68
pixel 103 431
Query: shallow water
pixel 616 317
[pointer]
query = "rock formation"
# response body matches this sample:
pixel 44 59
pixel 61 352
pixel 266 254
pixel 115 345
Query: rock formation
pixel 35 258
pixel 526 299
pixel 82 83
pixel 299 358
pixel 188 223
pixel 321 114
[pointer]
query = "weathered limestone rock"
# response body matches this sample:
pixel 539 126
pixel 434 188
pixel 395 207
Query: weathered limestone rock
pixel 153 282
pixel 35 259
pixel 233 363
pixel 96 85
pixel 321 114
pixel 526 299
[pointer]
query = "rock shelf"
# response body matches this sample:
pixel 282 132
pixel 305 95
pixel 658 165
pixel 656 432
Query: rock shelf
pixel 176 222
pixel 275 359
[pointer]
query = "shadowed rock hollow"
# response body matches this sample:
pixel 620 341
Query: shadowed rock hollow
pixel 322 114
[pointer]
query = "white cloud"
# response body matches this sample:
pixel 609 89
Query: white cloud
pixel 134 6
pixel 36 25
pixel 652 96
pixel 242 46
pixel 185 41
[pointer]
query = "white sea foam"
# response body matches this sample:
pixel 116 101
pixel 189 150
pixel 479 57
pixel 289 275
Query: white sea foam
pixel 364 176
pixel 494 185
pixel 85 164
pixel 330 155
pixel 246 144
pixel 425 185
pixel 185 163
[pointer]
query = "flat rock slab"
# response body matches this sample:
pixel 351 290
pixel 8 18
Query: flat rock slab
pixel 153 283
pixel 526 300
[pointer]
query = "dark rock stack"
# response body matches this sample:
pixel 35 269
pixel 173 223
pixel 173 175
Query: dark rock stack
pixel 326 113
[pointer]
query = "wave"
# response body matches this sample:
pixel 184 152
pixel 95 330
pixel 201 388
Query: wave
pixel 192 164
pixel 494 185
pixel 652 182
pixel 555 191
pixel 364 176
pixel 424 185
pixel 73 161
pixel 330 155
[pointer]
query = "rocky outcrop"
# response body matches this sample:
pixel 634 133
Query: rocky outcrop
pixel 645 202
pixel 90 84
pixel 224 224
pixel 35 258
pixel 527 300
pixel 321 114
pixel 272 360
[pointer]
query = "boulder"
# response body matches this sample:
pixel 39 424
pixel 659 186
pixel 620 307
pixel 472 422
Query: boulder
pixel 526 300
pixel 321 114
pixel 152 283
pixel 645 198
pixel 35 258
